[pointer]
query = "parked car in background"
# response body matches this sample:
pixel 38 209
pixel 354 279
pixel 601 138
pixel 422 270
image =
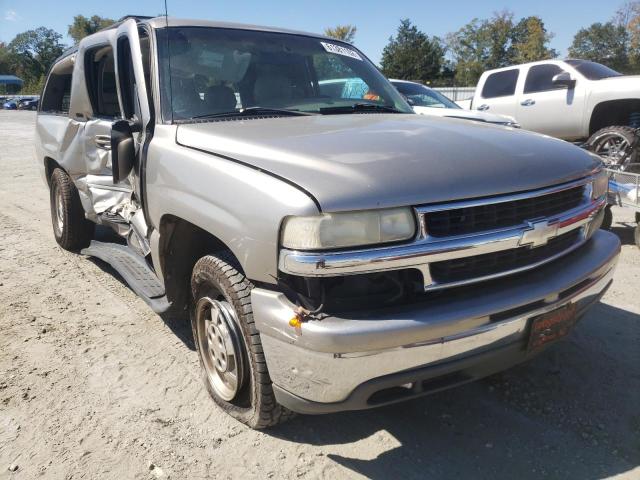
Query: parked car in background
pixel 10 104
pixel 335 251
pixel 571 99
pixel 28 104
pixel 427 101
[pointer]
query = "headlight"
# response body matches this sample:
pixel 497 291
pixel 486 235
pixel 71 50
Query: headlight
pixel 600 185
pixel 348 229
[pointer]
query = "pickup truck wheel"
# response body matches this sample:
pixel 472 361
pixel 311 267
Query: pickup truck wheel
pixel 616 145
pixel 70 227
pixel 229 347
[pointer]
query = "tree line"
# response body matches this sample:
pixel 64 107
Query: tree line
pixel 30 54
pixel 457 59
pixel 483 44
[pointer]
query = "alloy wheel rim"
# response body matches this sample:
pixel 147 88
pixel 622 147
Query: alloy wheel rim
pixel 614 147
pixel 220 347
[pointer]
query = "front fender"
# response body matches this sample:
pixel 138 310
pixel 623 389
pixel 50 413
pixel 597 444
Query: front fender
pixel 239 205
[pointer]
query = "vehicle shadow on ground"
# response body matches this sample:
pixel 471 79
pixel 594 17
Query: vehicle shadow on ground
pixel 178 322
pixel 570 413
pixel 625 232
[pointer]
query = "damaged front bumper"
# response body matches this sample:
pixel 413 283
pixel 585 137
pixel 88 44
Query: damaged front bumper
pixel 363 360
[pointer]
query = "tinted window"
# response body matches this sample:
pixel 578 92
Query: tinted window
pixel 500 84
pixel 57 94
pixel 539 78
pixel 101 82
pixel 593 70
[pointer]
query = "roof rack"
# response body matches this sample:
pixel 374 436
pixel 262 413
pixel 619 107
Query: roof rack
pixel 137 18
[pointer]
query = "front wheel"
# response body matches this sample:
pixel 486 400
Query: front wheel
pixel 229 347
pixel 616 145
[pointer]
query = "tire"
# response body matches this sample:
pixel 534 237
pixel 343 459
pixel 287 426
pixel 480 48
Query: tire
pixel 615 146
pixel 71 229
pixel 224 331
pixel 607 220
pixel 636 235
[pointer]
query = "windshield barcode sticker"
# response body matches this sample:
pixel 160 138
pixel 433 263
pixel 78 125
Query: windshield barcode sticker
pixel 339 50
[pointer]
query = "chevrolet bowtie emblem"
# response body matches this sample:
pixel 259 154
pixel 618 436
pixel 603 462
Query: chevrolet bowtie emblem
pixel 538 234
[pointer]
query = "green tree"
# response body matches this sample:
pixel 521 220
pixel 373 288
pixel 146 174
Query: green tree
pixel 412 55
pixel 481 45
pixel 469 50
pixel 530 41
pixel 6 65
pixel 33 52
pixel 497 42
pixel 606 43
pixel 346 33
pixel 83 26
pixel 628 17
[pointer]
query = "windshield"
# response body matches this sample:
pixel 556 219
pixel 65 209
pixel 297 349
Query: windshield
pixel 422 96
pixel 213 72
pixel 593 70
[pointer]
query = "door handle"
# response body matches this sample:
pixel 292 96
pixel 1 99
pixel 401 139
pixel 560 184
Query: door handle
pixel 103 141
pixel 528 102
pixel 483 107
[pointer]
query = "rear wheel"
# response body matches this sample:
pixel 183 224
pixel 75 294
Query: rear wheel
pixel 616 145
pixel 71 229
pixel 229 347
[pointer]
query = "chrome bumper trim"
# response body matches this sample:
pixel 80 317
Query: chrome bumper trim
pixel 427 250
pixel 328 358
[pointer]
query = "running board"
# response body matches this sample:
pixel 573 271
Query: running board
pixel 134 270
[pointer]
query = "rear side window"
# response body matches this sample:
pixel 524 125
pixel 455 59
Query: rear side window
pixel 57 94
pixel 500 84
pixel 101 82
pixel 539 78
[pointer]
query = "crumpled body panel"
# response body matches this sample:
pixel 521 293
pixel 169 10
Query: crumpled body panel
pixel 71 145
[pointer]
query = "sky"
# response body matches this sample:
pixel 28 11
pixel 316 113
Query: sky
pixel 376 20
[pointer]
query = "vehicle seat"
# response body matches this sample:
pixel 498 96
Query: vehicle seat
pixel 220 99
pixel 272 88
pixel 186 101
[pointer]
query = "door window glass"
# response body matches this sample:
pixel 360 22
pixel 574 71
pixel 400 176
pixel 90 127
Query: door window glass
pixel 540 78
pixel 101 82
pixel 500 84
pixel 57 94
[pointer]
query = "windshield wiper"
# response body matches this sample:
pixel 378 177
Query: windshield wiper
pixel 358 107
pixel 252 111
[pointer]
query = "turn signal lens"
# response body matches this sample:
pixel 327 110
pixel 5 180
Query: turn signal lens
pixel 600 185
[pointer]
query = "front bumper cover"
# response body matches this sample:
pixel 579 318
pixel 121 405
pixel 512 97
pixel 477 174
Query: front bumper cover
pixel 362 360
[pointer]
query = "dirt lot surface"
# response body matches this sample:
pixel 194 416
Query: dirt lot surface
pixel 94 385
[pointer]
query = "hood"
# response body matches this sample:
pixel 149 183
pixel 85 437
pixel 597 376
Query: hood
pixel 612 85
pixel 466 114
pixel 351 162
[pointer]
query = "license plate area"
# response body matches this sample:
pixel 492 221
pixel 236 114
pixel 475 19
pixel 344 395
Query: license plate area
pixel 551 326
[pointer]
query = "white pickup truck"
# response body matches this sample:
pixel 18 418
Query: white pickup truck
pixel 567 99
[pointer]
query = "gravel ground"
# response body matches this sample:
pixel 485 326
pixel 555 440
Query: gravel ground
pixel 93 384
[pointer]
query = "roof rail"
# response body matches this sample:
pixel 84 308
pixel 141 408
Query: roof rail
pixel 137 18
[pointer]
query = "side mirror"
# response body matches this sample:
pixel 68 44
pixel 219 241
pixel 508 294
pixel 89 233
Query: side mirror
pixel 123 150
pixel 563 79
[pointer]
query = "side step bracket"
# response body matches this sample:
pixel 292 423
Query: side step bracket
pixel 134 270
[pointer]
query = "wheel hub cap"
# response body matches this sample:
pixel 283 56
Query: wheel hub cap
pixel 59 210
pixel 220 346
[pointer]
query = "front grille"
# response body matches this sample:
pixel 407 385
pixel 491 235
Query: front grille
pixel 461 269
pixel 462 221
